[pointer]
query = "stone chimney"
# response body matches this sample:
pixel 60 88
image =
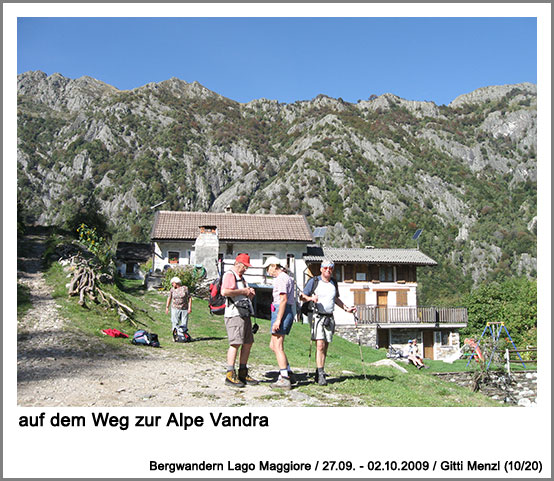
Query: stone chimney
pixel 206 249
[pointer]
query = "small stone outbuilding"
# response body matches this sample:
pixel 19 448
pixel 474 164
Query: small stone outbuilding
pixel 129 256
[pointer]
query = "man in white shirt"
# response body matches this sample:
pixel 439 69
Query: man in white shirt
pixel 324 297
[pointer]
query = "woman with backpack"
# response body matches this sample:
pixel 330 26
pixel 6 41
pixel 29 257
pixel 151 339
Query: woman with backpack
pixel 282 316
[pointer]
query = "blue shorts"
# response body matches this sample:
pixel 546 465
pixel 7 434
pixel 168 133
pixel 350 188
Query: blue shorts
pixel 286 321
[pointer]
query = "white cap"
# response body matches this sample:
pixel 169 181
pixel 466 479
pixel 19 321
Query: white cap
pixel 176 280
pixel 272 261
pixel 327 263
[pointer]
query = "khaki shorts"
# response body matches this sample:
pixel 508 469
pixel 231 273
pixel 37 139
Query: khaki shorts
pixel 323 328
pixel 239 330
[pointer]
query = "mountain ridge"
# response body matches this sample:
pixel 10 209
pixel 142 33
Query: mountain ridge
pixel 372 171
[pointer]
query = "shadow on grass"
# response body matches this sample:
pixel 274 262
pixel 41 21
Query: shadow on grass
pixel 361 377
pixel 308 378
pixel 213 338
pixel 136 289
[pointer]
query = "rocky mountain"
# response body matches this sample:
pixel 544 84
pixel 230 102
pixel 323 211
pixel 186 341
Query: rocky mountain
pixel 373 171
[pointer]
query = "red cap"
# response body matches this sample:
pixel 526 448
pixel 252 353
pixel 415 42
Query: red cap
pixel 244 259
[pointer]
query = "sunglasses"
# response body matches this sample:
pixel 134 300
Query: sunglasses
pixel 328 268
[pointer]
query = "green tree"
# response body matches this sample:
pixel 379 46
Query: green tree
pixel 86 212
pixel 513 301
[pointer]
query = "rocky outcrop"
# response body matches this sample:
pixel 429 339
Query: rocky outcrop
pixel 493 93
pixel 59 92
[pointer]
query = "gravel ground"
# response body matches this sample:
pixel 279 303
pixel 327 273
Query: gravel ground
pixel 56 367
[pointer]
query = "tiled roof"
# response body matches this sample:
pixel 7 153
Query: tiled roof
pixel 369 256
pixel 231 227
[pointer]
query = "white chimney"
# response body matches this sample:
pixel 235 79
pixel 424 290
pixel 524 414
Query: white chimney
pixel 206 250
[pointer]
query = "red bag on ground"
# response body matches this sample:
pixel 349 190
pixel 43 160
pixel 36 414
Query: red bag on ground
pixel 114 333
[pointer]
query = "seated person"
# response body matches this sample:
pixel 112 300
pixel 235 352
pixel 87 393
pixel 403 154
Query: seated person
pixel 413 354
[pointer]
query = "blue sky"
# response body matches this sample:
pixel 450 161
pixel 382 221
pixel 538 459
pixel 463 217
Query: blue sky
pixel 288 59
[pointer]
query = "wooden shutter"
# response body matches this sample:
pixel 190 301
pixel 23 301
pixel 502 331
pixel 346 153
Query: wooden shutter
pixel 359 297
pixel 401 298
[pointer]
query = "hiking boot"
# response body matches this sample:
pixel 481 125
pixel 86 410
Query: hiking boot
pixel 231 379
pixel 292 378
pixel 321 378
pixel 282 383
pixel 246 379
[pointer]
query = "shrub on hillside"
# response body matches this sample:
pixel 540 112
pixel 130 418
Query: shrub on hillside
pixel 188 274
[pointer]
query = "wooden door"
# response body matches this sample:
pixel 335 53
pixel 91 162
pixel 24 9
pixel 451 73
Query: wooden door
pixel 382 302
pixel 428 343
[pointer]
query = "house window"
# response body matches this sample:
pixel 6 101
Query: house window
pixel 229 249
pixel 173 257
pixel 446 338
pixel 290 262
pixel 361 273
pixel 129 268
pixel 401 298
pixel 437 338
pixel 386 273
pixel 374 273
pixel 266 256
pixel 401 274
pixel 348 273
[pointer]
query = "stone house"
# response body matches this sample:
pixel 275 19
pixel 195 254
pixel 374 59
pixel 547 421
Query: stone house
pixel 128 257
pixel 205 239
pixel 382 283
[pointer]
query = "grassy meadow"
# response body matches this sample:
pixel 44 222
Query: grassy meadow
pixel 351 381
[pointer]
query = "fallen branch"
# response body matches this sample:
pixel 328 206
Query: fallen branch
pixel 85 285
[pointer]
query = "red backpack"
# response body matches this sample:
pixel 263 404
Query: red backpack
pixel 217 300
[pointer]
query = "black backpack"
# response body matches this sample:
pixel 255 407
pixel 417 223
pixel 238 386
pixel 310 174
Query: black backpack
pixel 308 307
pixel 181 334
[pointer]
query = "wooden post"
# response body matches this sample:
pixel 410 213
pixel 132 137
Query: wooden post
pixel 508 360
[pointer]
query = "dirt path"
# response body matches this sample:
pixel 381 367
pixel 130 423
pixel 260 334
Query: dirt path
pixel 56 367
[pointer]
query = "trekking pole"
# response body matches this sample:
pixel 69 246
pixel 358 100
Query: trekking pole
pixel 310 317
pixel 359 343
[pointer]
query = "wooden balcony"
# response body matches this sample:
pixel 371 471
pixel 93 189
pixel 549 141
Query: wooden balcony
pixel 451 316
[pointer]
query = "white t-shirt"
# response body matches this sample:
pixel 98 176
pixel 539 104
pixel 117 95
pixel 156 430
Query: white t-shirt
pixel 326 293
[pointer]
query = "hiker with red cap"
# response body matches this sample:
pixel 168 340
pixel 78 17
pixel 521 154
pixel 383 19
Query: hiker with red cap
pixel 238 324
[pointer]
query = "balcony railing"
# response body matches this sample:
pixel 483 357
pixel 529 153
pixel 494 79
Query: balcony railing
pixel 411 315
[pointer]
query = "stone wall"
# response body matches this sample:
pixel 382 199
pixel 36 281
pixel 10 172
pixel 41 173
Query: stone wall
pixel 517 388
pixel 368 334
pixel 399 338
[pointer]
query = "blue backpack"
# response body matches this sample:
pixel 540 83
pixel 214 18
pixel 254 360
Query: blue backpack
pixel 145 338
